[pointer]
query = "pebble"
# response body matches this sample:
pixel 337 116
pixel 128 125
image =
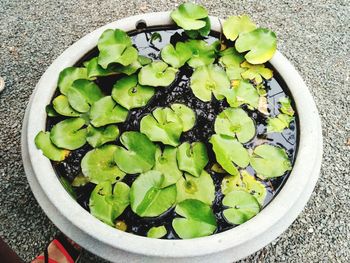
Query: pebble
pixel 2 84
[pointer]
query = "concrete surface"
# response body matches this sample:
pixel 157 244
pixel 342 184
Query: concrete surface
pixel 312 34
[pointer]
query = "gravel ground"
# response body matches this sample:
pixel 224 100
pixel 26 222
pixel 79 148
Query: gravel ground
pixel 314 35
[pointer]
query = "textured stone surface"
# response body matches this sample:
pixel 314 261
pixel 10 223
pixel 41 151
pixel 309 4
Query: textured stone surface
pixel 312 34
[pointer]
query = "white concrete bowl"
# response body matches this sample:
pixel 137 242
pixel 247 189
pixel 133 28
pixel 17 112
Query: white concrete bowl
pixel 118 246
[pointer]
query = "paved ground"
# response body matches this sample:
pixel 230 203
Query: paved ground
pixel 314 35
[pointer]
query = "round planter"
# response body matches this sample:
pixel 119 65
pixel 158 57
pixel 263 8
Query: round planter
pixel 118 246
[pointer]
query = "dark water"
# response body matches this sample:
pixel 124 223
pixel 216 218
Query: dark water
pixel 180 92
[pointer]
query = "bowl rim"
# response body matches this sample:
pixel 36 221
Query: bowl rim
pixel 298 184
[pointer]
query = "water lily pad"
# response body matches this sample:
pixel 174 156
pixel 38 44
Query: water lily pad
pixel 128 93
pixel 199 219
pixel 255 73
pixel 242 92
pixel 165 162
pixel 68 76
pixel 190 16
pixel 260 43
pixel 270 161
pixel 99 165
pixel 231 60
pixel 144 60
pixel 229 152
pixel 107 206
pixel 50 111
pixel 178 56
pixel 242 207
pixel 235 122
pixel 138 156
pixel 148 198
pixel 157 232
pixel 279 123
pixel 99 136
pixel 202 53
pixel 186 115
pixel 82 94
pixel 106 111
pixel 62 107
pixel 235 25
pixel 286 106
pixel 192 158
pixel 200 188
pixel 69 134
pixel 204 31
pixel 43 142
pixel 163 125
pixel 210 79
pixel 80 180
pixel 115 46
pixel 232 182
pixel 157 74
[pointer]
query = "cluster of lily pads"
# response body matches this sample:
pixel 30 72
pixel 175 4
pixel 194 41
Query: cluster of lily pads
pixel 171 173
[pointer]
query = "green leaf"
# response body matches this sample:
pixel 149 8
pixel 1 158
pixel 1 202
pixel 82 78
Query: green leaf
pixel 95 70
pixel 82 94
pixel 43 142
pixel 157 74
pixel 62 107
pixel 69 134
pixel 232 182
pixel 200 188
pixel 115 46
pixel 186 115
pixel 138 156
pixel 198 221
pixel 279 123
pixel 270 161
pixel 231 60
pixel 143 60
pixel 229 152
pixel 255 73
pixel 235 25
pixel 286 106
pixel 207 80
pixel 235 122
pixel 202 53
pixel 165 162
pixel 99 136
pixel 155 36
pixel 68 76
pixel 260 43
pixel 190 16
pixel 99 165
pixel 128 93
pixel 50 111
pixel 157 232
pixel 80 180
pixel 148 198
pixel 242 92
pixel 242 207
pixel 178 56
pixel 106 111
pixel 192 158
pixel 204 31
pixel 163 125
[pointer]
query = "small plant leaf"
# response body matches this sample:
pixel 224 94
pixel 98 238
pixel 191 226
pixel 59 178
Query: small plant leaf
pixel 260 43
pixel 43 142
pixel 106 111
pixel 204 31
pixel 270 161
pixel 62 107
pixel 256 73
pixel 50 111
pixel 198 221
pixel 99 165
pixel 210 79
pixel 200 188
pixel 190 16
pixel 235 122
pixel 242 207
pixel 229 152
pixel 279 123
pixel 157 232
pixel 242 92
pixel 235 25
pixel 148 198
pixel 128 93
pixel 115 46
pixel 232 182
pixel 80 180
pixel 143 60
pixel 68 76
pixel 192 158
pixel 138 156
pixel 231 60
pixel 202 53
pixel 186 115
pixel 165 162
pixel 155 37
pixel 99 136
pixel 163 125
pixel 178 56
pixel 286 106
pixel 157 74
pixel 82 94
pixel 69 134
